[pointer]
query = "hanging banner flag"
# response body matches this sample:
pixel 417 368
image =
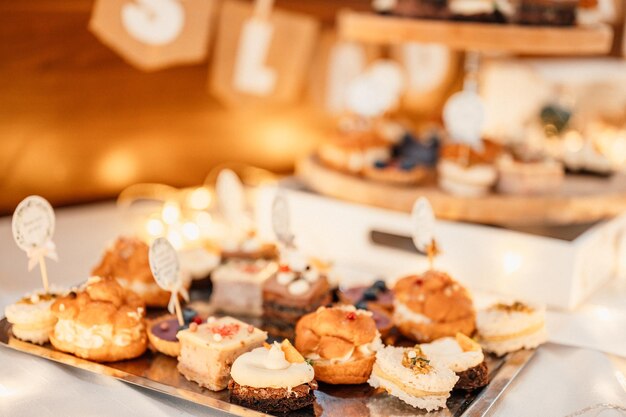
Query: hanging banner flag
pixel 335 63
pixel 155 34
pixel 261 57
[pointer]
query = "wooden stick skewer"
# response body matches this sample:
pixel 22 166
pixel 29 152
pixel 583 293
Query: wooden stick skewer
pixel 179 312
pixel 263 9
pixel 432 250
pixel 44 272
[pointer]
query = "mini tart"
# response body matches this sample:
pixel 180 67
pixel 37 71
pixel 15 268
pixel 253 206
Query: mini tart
pixel 508 327
pixel 353 152
pixel 127 261
pixel 529 178
pixel 272 379
pixel 162 335
pixel 394 174
pixel 432 305
pixel 341 342
pixel 466 181
pixel 406 374
pixel 461 355
pixel 465 172
pixel 31 318
pixel 163 330
pixel 103 322
pixel 377 293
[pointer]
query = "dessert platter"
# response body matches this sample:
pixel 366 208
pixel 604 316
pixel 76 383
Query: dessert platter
pixel 274 334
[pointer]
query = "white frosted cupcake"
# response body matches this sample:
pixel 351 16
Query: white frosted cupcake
pixel 507 327
pixel 32 318
pixel 407 374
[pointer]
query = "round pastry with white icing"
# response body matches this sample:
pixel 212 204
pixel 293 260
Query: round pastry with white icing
pixel 262 368
pixel 273 378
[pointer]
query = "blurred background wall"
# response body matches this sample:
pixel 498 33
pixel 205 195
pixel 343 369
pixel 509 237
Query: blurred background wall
pixel 77 123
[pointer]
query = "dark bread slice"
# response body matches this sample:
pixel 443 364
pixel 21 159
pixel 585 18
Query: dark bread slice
pixel 273 400
pixel 473 378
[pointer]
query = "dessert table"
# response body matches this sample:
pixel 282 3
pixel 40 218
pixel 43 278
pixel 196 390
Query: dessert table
pixel 559 381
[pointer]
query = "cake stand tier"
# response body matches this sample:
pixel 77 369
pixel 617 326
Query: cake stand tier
pixel 581 198
pixel 480 37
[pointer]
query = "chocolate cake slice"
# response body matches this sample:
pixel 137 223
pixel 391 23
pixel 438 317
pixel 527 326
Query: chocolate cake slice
pixel 473 378
pixel 273 400
pixel 286 300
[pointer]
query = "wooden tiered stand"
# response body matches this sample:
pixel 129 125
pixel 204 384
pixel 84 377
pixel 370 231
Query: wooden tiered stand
pixel 581 199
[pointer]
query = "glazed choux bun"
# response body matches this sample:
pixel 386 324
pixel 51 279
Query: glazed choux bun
pixel 431 306
pixel 103 322
pixel 127 261
pixel 341 343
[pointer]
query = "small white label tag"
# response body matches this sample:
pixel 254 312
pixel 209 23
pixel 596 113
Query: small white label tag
pixel 281 222
pixel 464 117
pixel 423 222
pixel 230 196
pixel 165 265
pixel 153 22
pixel 33 223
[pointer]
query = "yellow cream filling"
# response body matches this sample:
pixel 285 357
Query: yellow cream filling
pixel 406 388
pixel 504 337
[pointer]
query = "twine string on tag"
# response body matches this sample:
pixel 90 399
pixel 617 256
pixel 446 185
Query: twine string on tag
pixel 37 255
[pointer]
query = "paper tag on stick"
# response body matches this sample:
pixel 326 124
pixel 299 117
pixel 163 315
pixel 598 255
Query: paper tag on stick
pixel 281 222
pixel 165 268
pixel 33 226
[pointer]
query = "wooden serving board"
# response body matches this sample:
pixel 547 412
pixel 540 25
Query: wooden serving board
pixel 581 198
pixel 483 37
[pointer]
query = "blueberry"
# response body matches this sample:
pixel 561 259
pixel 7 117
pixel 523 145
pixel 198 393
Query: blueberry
pixel 380 164
pixel 380 285
pixel 361 305
pixel 189 314
pixel 370 294
pixel 407 164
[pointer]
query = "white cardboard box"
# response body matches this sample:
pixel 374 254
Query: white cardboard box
pixel 559 273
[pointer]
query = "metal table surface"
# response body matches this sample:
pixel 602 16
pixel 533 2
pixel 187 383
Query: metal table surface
pixel 559 381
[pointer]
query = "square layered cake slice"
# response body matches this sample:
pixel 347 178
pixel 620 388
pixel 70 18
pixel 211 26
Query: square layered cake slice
pixel 207 351
pixel 289 295
pixel 238 286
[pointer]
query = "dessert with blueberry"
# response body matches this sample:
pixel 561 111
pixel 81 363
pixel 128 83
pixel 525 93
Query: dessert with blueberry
pixel 376 298
pixel 412 161
pixel 162 331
